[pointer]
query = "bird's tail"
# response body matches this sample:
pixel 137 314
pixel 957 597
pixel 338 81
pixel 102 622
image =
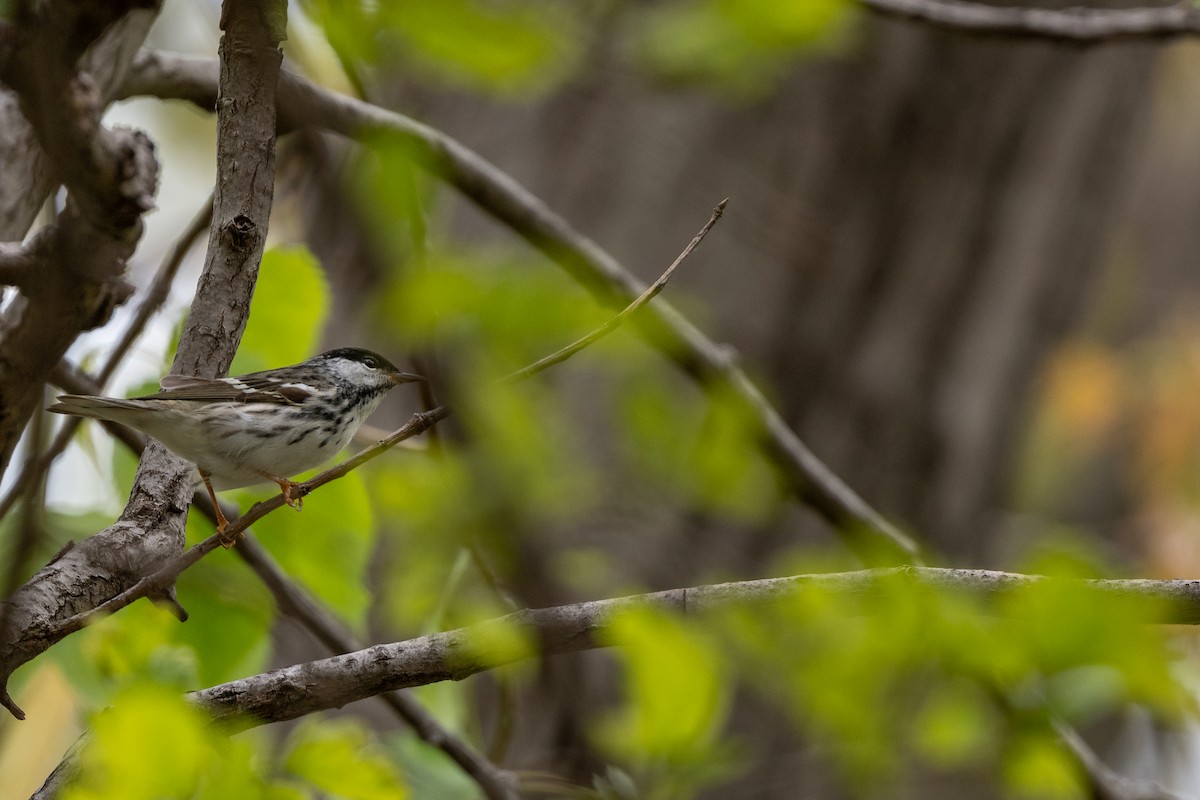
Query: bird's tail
pixel 82 405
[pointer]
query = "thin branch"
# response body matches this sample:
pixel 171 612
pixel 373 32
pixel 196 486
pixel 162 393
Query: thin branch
pixel 1079 24
pixel 303 104
pixel 303 689
pixel 1107 784
pixel 615 322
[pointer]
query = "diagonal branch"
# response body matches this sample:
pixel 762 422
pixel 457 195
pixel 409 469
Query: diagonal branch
pixel 156 583
pixel 303 104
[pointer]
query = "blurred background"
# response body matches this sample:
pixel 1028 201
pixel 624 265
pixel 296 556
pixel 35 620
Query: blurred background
pixel 962 266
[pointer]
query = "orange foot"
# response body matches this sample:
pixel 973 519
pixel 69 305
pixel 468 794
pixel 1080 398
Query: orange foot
pixel 290 490
pixel 227 541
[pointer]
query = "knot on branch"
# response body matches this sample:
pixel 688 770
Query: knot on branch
pixel 241 233
pixel 135 178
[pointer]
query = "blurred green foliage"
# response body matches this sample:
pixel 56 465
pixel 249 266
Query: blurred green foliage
pixel 511 47
pixel 740 46
pixel 678 687
pixel 518 48
pixel 287 314
pixel 881 682
pixel 886 679
pixel 339 758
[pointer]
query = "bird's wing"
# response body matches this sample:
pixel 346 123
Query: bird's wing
pixel 254 388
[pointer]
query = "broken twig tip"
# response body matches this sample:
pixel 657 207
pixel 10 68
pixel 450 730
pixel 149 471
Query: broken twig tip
pixel 7 702
pixel 720 209
pixel 170 602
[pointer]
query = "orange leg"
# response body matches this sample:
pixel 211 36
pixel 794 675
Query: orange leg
pixel 222 523
pixel 288 488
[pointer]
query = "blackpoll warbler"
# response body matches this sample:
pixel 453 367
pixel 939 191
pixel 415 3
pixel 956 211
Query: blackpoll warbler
pixel 258 427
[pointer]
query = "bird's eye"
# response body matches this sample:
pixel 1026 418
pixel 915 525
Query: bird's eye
pixel 371 362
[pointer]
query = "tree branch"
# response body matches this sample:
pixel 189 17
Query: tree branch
pixel 156 295
pixel 303 104
pixel 28 175
pixel 149 535
pixel 111 175
pixel 1080 24
pixel 18 265
pixel 1107 784
pixel 303 689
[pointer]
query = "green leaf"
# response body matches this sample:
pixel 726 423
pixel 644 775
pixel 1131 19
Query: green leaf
pixel 135 645
pixel 509 47
pixel 230 616
pixel 677 688
pixel 1038 766
pixel 741 46
pixel 338 757
pixel 695 446
pixel 151 744
pixel 957 725
pixel 287 315
pixel 327 545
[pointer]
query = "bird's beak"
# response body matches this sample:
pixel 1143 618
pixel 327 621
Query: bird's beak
pixel 406 377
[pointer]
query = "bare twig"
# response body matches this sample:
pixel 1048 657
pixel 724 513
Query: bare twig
pixel 615 322
pixel 1080 24
pixel 1106 783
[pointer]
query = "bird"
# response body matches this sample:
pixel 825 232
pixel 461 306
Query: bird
pixel 263 426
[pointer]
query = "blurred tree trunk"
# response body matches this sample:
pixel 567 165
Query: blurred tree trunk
pixel 914 224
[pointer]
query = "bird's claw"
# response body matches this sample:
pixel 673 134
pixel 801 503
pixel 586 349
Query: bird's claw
pixel 288 487
pixel 227 541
